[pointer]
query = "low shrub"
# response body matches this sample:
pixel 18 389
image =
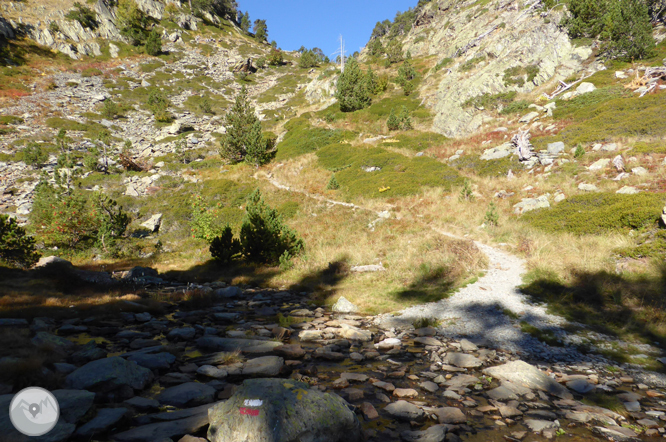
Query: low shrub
pixel 16 247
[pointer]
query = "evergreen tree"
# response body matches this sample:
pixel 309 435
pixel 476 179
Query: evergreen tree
pixel 263 236
pixel 405 119
pixel 393 122
pixel 154 43
pixel 131 21
pixel 244 140
pixel 245 22
pixel 394 52
pixel 352 93
pixel 16 248
pixel 371 81
pixel 260 30
pixel 308 59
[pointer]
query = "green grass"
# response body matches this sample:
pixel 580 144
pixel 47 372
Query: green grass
pixel 611 112
pixel 399 175
pixel 151 66
pixel 417 141
pixel 647 148
pixel 10 119
pixel 599 213
pixel 63 123
pixel 491 168
pixel 650 245
pixel 302 138
pixel 471 64
pixel 491 101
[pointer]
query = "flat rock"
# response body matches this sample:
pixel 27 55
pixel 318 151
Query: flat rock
pixel 467 345
pixel 343 305
pixel 617 434
pixel 357 377
pixel 232 344
pixel 164 430
pixel 263 366
pixel 74 404
pixel 282 410
pixel 153 361
pixel 290 351
pixel 405 392
pixel 49 340
pixel 425 340
pixel 580 386
pixel 212 372
pixel 109 374
pixel 187 394
pixel 523 374
pixel 462 360
pixel 387 386
pixel 405 411
pixel 538 425
pixel 142 403
pixel 105 419
pixel 461 381
pixel 429 386
pixel 182 334
pixel 436 433
pixel 369 411
pixel 450 415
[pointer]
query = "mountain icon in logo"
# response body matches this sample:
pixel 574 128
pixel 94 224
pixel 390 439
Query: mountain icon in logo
pixel 34 411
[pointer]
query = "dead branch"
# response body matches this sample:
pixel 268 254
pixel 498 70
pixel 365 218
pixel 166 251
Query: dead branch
pixel 524 148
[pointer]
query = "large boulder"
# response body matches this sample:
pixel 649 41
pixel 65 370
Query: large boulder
pixel 526 375
pixel 279 410
pixel 109 374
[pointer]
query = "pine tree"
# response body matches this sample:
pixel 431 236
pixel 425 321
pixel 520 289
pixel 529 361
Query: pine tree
pixel 244 140
pixel 245 22
pixel 131 21
pixel 260 30
pixel 405 119
pixel 352 93
pixel 371 81
pixel 16 248
pixel 393 122
pixel 154 43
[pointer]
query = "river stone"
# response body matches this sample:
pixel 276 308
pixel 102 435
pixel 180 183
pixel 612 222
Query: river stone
pixel 45 339
pixel 429 386
pixel 436 433
pixel 599 164
pixel 461 381
pixel 74 404
pixel 233 344
pixel 279 410
pixel 153 361
pixel 580 386
pixel 290 351
pixel 405 392
pixel 187 395
pixel 183 334
pixel 405 411
pixel 109 374
pixel 106 418
pixel 264 366
pixel 538 425
pixel 425 340
pixel 212 372
pixel 354 334
pixel 462 360
pixel 522 373
pixel 343 305
pixel 616 433
pixel 163 431
pixel 450 415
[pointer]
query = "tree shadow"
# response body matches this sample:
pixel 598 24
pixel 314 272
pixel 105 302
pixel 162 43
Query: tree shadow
pixel 432 285
pixel 625 306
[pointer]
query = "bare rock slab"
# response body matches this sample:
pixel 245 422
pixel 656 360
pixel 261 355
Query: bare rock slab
pixel 280 410
pixel 108 374
pixel 522 373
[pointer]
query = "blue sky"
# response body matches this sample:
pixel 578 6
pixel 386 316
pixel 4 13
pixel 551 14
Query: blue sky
pixel 319 23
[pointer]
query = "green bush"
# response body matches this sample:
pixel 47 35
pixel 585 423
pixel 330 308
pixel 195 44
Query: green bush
pixel 491 101
pixel 84 15
pixel 153 43
pixel 579 152
pixel 131 21
pixel 16 248
pixel 599 213
pixel 515 107
pixel 492 216
pixel 466 193
pixel 275 57
pixel 159 103
pixel 352 93
pixel 225 247
pixel 110 109
pixel 394 52
pixel 34 155
pixel 333 184
pixel 244 140
pixel 393 122
pixel 264 238
pixel 302 138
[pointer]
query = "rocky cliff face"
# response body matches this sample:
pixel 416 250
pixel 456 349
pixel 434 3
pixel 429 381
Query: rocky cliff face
pixel 484 40
pixel 38 23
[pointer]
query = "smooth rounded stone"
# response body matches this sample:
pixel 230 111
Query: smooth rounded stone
pixel 632 407
pixel 13 322
pixel 232 344
pixel 629 396
pixel 461 381
pixel 405 392
pixel 309 335
pixel 301 312
pixel 212 372
pixel 182 334
pixel 282 410
pixel 49 340
pixel 74 404
pixel 322 353
pixel 343 305
pixel 502 393
pixel 526 375
pixel 580 386
pixel 353 394
pixel 109 374
pixel 354 334
pixel 450 394
pixel 616 433
pixel 263 366
pixel 425 331
pixel 188 394
pixel 356 377
pixel 153 361
pixel 190 438
pixel 64 368
pixel 587 187
pixel 89 352
pixel 556 147
pixel 228 292
pixel 105 419
pixel 131 334
pixel 70 329
pixel 225 317
pixel 508 411
pixel 141 343
pixel 387 386
pixel 356 357
pixel 236 334
pixel 429 386
pixel 647 423
pixel 143 317
pixel 405 411
pixel 426 340
pixel 164 431
pixel 466 345
pixel 462 360
pixel 142 403
pixel 369 411
pixel 538 425
pixel 436 433
pixel 627 190
pixel 290 351
pixel 450 415
pixel 388 344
